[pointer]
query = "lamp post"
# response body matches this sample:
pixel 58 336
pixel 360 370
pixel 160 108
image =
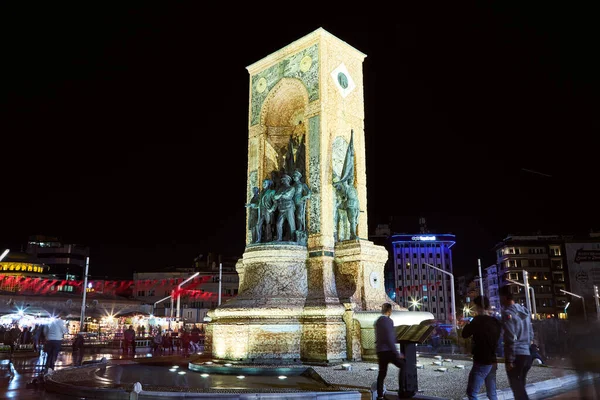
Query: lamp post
pixel 179 294
pixel 159 301
pixel 582 301
pixel 85 278
pixel 526 285
pixel 480 277
pixel 4 254
pixel 597 298
pixel 451 294
pixel 533 316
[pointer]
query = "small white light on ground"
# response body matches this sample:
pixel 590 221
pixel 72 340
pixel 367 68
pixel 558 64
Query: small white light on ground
pixel 282 377
pixel 148 355
pixel 175 366
pixel 459 366
pixel 172 369
pixel 240 376
pixel 204 375
pixel 181 372
pixel 200 353
pixel 442 369
pixel 227 364
pixel 208 363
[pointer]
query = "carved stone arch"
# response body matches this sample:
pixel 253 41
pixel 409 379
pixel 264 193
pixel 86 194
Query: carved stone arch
pixel 283 109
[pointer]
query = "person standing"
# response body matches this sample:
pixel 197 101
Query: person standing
pixel 485 331
pixel 129 340
pixel 518 336
pixel 54 333
pixel 385 345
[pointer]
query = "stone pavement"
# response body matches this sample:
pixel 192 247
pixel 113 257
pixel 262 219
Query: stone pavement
pixel 21 379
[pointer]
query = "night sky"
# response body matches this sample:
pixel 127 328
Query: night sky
pixel 125 127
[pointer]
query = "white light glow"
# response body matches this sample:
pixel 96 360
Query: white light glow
pixel 204 375
pixel 240 376
pixel 172 369
pixel 227 365
pixel 181 372
pixel 282 377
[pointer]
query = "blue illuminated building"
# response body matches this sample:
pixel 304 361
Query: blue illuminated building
pixel 417 286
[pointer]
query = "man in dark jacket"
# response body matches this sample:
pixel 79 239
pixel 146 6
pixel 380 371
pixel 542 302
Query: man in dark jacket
pixel 385 345
pixel 485 331
pixel 518 336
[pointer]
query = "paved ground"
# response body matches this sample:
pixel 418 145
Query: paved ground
pixel 17 380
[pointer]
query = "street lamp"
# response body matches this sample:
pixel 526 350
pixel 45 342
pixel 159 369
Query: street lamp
pixel 596 298
pixel 159 301
pixel 533 316
pixel 85 279
pixel 582 302
pixel 179 293
pixel 526 285
pixel 451 294
pixel 480 277
pixel 4 254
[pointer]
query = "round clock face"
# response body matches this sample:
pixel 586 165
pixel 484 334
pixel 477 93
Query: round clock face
pixel 261 85
pixel 374 280
pixel 305 63
pixel 342 80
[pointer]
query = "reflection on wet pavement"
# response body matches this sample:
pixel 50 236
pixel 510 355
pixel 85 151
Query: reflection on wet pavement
pixel 22 378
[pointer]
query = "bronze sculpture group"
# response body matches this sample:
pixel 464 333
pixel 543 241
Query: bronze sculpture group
pixel 277 212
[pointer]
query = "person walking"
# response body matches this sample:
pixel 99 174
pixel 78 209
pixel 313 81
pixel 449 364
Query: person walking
pixel 129 340
pixel 78 349
pixel 485 332
pixel 518 336
pixel 54 332
pixel 387 353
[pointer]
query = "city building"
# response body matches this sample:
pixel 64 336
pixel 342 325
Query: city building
pixel 66 261
pixel 543 257
pixel 198 288
pixel 490 287
pixel 417 285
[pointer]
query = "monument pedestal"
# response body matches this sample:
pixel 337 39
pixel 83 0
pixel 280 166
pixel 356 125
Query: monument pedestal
pixel 359 275
pixel 287 310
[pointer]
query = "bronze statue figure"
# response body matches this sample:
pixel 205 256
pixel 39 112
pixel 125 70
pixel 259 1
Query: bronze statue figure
pixel 301 195
pixel 265 212
pixel 284 198
pixel 253 214
pixel 347 196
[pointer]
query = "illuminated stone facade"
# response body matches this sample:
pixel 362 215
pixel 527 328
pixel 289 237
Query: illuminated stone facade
pixel 296 302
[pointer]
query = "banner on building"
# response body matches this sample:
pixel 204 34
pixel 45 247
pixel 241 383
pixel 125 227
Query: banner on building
pixel 583 261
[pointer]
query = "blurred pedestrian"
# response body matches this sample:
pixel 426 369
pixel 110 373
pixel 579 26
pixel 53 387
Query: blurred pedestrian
pixel 485 332
pixel 582 341
pixel 54 333
pixel 387 353
pixel 129 340
pixel 78 349
pixel 518 336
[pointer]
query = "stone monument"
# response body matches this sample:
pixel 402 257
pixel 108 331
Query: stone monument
pixel 300 287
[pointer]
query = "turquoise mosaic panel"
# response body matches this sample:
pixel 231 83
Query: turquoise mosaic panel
pixel 287 68
pixel 314 168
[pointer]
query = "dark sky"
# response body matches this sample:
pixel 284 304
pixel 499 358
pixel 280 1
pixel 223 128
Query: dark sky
pixel 124 127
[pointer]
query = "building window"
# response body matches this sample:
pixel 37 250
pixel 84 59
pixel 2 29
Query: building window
pixel 556 264
pixel 433 310
pixel 555 251
pixel 438 255
pixel 424 288
pixel 558 276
